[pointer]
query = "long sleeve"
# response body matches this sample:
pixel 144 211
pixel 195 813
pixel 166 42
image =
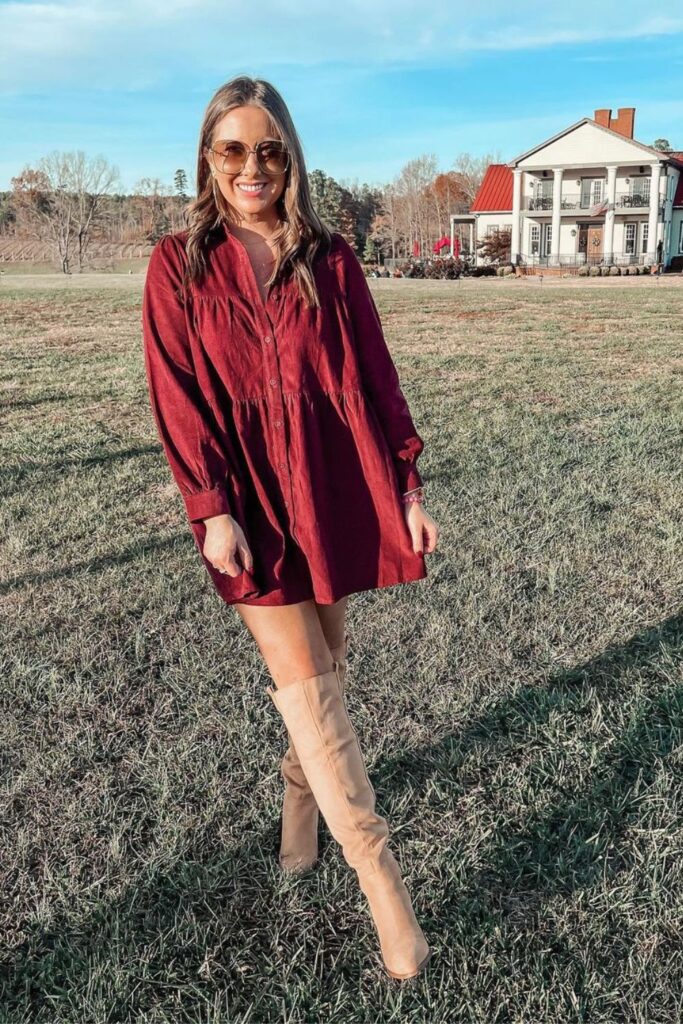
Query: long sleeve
pixel 379 373
pixel 182 416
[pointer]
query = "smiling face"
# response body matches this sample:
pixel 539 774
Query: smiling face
pixel 249 125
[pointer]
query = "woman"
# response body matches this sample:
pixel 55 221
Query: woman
pixel 283 422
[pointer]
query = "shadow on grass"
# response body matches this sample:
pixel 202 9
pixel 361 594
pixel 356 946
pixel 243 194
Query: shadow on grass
pixel 124 556
pixel 227 903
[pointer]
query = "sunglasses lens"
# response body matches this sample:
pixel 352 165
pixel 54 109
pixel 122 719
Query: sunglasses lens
pixel 231 157
pixel 273 157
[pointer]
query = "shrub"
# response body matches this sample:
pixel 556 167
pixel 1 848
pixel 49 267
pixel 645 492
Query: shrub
pixel 485 271
pixel 445 269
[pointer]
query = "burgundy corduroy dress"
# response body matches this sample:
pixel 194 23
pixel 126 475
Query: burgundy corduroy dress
pixel 290 419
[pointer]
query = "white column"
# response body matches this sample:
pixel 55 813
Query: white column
pixel 557 209
pixel 608 248
pixel 654 213
pixel 515 246
pixel 669 192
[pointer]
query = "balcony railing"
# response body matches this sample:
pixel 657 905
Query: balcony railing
pixel 580 259
pixel 632 199
pixel 623 201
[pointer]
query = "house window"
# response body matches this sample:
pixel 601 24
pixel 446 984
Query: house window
pixel 543 194
pixel 491 230
pixel 534 236
pixel 507 227
pixel 630 239
pixel 547 238
pixel 680 238
pixel 639 190
pixel 643 236
pixel 591 191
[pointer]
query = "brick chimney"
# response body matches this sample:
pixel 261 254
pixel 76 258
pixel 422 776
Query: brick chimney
pixel 624 122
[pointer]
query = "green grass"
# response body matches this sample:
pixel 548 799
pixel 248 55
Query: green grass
pixel 521 710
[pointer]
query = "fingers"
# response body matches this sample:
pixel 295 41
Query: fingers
pixel 230 566
pixel 245 555
pixel 432 531
pixel 418 532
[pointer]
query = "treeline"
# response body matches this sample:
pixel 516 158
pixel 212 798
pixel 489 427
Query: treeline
pixel 69 201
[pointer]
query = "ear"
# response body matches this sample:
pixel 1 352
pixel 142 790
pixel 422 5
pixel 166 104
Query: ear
pixel 208 156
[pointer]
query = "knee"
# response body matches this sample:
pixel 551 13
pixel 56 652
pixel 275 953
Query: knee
pixel 300 662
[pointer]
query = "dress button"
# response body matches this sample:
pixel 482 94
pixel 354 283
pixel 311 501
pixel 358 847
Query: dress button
pixel 267 339
pixel 286 502
pixel 272 381
pixel 278 423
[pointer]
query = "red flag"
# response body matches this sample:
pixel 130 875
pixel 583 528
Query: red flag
pixel 456 248
pixel 416 248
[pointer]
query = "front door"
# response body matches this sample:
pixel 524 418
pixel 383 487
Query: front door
pixel 582 246
pixel 594 242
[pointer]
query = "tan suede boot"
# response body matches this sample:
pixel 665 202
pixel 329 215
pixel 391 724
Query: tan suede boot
pixel 299 817
pixel 329 753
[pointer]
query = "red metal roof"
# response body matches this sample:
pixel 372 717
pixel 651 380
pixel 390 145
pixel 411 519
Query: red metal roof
pixel 495 192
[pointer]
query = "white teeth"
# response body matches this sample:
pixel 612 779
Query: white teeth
pixel 252 188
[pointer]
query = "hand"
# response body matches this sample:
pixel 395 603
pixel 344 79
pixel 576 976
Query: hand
pixel 420 524
pixel 224 539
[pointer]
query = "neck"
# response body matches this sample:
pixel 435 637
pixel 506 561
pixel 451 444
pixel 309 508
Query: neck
pixel 251 228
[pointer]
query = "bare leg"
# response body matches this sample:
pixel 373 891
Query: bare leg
pixel 299 817
pixel 295 639
pixel 333 621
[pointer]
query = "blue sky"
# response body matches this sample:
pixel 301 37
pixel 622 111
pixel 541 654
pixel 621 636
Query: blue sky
pixel 369 85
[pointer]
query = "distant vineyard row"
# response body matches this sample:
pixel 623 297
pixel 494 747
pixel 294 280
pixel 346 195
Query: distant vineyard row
pixel 34 250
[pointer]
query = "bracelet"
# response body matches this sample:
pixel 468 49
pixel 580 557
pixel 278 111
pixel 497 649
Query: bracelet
pixel 417 494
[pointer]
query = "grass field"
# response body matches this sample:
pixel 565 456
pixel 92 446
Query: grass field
pixel 521 710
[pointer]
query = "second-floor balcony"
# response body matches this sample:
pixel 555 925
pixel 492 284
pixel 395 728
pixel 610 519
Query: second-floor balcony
pixel 632 200
pixel 624 201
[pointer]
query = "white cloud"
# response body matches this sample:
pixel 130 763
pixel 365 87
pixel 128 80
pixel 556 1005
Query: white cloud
pixel 72 43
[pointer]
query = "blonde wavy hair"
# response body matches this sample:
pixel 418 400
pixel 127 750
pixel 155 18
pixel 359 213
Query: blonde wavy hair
pixel 302 234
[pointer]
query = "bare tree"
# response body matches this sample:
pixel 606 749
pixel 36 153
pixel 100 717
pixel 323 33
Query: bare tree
pixel 386 224
pixel 159 207
pixel 412 190
pixel 64 200
pixel 471 170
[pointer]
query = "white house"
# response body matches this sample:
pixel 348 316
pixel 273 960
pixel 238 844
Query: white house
pixel 590 194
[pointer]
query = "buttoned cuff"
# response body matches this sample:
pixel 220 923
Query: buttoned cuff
pixel 408 475
pixel 206 504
